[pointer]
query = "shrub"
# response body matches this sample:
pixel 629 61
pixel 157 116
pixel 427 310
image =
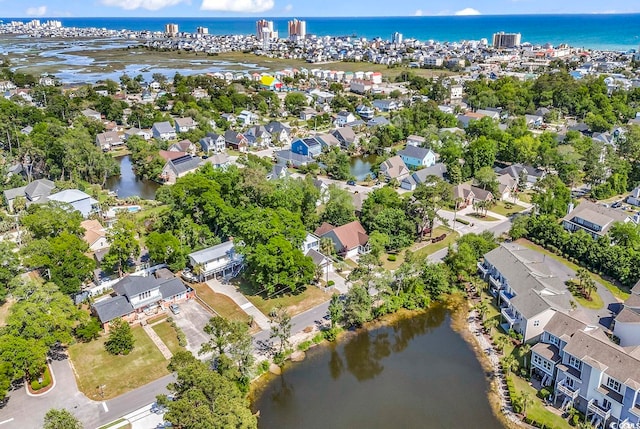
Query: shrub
pixel 263 366
pixel 88 331
pixel 544 393
pixel 392 258
pixel 331 283
pixel 304 346
pixel 331 334
pixel 318 338
pixel 46 380
pixel 462 221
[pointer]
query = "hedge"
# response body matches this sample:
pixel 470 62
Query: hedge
pixel 46 380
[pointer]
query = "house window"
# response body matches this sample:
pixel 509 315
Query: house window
pixel 576 363
pixel 543 363
pixel 144 295
pixel 552 339
pixel 536 323
pixel 613 384
pixel 569 383
pixel 606 404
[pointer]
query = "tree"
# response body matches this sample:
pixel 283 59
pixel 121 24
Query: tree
pixel 357 308
pixel 60 419
pixel 229 337
pixel 281 327
pixel 124 244
pixel 204 398
pixel 428 201
pixel 490 325
pixel 294 102
pixel 339 209
pixel 501 342
pixel 509 363
pixel 9 267
pixel 336 310
pixel 552 197
pixel 524 351
pixel 486 178
pixel 50 220
pixel 626 234
pixel 378 241
pixel 88 331
pixel 166 248
pixel 526 401
pixel 121 340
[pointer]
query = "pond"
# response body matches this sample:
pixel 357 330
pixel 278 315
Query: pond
pixel 128 185
pixel 361 165
pixel 415 373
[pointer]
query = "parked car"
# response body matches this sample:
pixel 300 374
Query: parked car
pixel 157 408
pixel 175 308
pixel 351 183
pixel 616 205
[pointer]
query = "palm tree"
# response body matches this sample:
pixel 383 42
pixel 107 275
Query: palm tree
pixel 582 276
pixel 524 351
pixel 509 364
pixel 526 401
pixel 482 310
pixel 490 325
pixel 590 286
pixel 501 342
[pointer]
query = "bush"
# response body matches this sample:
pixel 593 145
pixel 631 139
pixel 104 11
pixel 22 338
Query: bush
pixel 88 331
pixel 46 380
pixel 318 338
pixel 304 346
pixel 462 221
pixel 544 393
pixel 263 366
pixel 331 334
pixel 392 258
pixel 331 283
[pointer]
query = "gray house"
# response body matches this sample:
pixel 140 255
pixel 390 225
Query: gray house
pixel 33 192
pixel 163 131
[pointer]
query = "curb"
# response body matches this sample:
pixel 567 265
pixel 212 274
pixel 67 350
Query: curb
pixel 53 384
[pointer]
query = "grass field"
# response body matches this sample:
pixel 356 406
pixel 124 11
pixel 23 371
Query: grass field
pixel 506 209
pixel 536 410
pixel 168 335
pixel 118 374
pixel 619 292
pixel 296 303
pixel 221 304
pixel 428 249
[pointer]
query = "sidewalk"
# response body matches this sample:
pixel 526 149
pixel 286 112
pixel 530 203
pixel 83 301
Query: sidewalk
pixel 242 302
pixel 158 341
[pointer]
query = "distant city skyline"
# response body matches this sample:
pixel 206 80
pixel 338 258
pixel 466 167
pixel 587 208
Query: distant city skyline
pixel 305 8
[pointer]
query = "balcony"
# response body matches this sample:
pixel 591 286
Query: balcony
pixel 506 296
pixel 495 282
pixel 510 315
pixel 594 408
pixel 567 391
pixel 482 269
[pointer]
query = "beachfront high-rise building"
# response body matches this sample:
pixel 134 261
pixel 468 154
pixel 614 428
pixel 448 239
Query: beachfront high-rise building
pixel 202 30
pixel 506 40
pixel 171 30
pixel 265 30
pixel 397 38
pixel 297 29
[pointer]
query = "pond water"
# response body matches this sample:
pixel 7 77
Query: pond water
pixel 360 166
pixel 128 185
pixel 415 373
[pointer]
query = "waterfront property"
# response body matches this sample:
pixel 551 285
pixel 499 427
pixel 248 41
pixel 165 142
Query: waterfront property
pixel 76 200
pixel 594 219
pixel 394 168
pixel 179 167
pixel 33 192
pixel 416 157
pixel 349 240
pixel 528 288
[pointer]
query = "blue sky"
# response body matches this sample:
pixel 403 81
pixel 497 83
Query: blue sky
pixel 303 8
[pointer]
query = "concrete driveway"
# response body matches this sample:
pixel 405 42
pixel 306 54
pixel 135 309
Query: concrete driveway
pixel 192 320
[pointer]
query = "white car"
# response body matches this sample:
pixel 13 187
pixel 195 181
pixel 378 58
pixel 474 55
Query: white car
pixel 175 308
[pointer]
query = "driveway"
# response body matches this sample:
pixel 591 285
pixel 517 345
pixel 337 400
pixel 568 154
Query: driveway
pixel 192 320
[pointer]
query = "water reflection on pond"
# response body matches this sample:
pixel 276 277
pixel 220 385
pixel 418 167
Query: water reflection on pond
pixel 128 185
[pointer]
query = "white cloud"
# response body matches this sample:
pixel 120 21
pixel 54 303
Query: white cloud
pixel 467 11
pixel 142 4
pixel 242 6
pixel 37 11
pixel 288 8
pixel 418 12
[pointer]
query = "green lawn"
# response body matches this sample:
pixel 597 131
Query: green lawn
pixel 168 335
pixel 619 292
pixel 536 410
pixel 526 196
pixel 595 303
pixel 426 250
pixel 296 303
pixel 484 218
pixel 93 366
pixel 506 209
pixel 392 265
pixel 221 304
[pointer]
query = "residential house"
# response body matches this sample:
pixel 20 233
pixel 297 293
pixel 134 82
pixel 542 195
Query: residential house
pixel 323 187
pixel 529 292
pixel 219 160
pixel 417 141
pixel 258 136
pixel 467 195
pixel 179 167
pixel 343 118
pixel 634 198
pixel 92 114
pixel 594 219
pixel 288 157
pixel 358 199
pixel 349 240
pixel 627 322
pixel 411 182
pixel 278 171
pixel 220 261
pixel 109 140
pixel 145 134
pixel 328 140
pixel 394 168
pixel 417 157
pixel 247 118
pixel 385 105
pixel 184 125
pixel 534 121
pixel 520 172
pixel 506 186
pixel 309 147
pixel 168 155
pixel 378 121
pixel 360 86
pixel 75 198
pixel 213 142
pixel 236 141
pixel 365 112
pixel 135 298
pixel 280 133
pixel 183 146
pixel 468 117
pixel 307 114
pixel 311 242
pixel 346 136
pixel 163 131
pixel 94 235
pixel 33 192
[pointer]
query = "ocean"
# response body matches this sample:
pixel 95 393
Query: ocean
pixel 596 31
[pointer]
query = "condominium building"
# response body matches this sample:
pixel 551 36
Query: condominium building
pixel 297 29
pixel 504 40
pixel 171 30
pixel 265 30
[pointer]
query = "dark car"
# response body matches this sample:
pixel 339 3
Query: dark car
pixel 616 205
pixel 351 183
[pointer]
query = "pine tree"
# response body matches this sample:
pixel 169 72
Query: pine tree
pixel 121 340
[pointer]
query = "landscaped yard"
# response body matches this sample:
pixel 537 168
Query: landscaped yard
pixel 118 374
pixel 617 291
pixel 506 208
pixel 297 303
pixel 484 218
pixel 221 304
pixel 168 335
pixel 536 410
pixel 423 250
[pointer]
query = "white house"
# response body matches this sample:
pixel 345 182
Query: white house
pixel 75 198
pixel 94 235
pixel 247 118
pixel 343 118
pixel 349 240
pixel 220 260
pixel 163 131
pixel 184 125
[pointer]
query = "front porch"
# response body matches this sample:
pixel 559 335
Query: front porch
pixel 597 415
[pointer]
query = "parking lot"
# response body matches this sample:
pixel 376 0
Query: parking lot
pixel 192 320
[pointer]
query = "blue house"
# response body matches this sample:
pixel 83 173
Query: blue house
pixel 308 147
pixel 416 157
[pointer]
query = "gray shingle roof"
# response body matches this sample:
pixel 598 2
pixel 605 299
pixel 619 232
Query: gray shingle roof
pixel 163 127
pixel 185 164
pixel 112 308
pixel 211 253
pixel 414 152
pixel 563 326
pixel 438 170
pixel 172 287
pixel 135 285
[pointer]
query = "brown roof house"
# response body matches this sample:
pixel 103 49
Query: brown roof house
pixel 349 240
pixel 468 194
pixel 94 235
pixel 394 168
